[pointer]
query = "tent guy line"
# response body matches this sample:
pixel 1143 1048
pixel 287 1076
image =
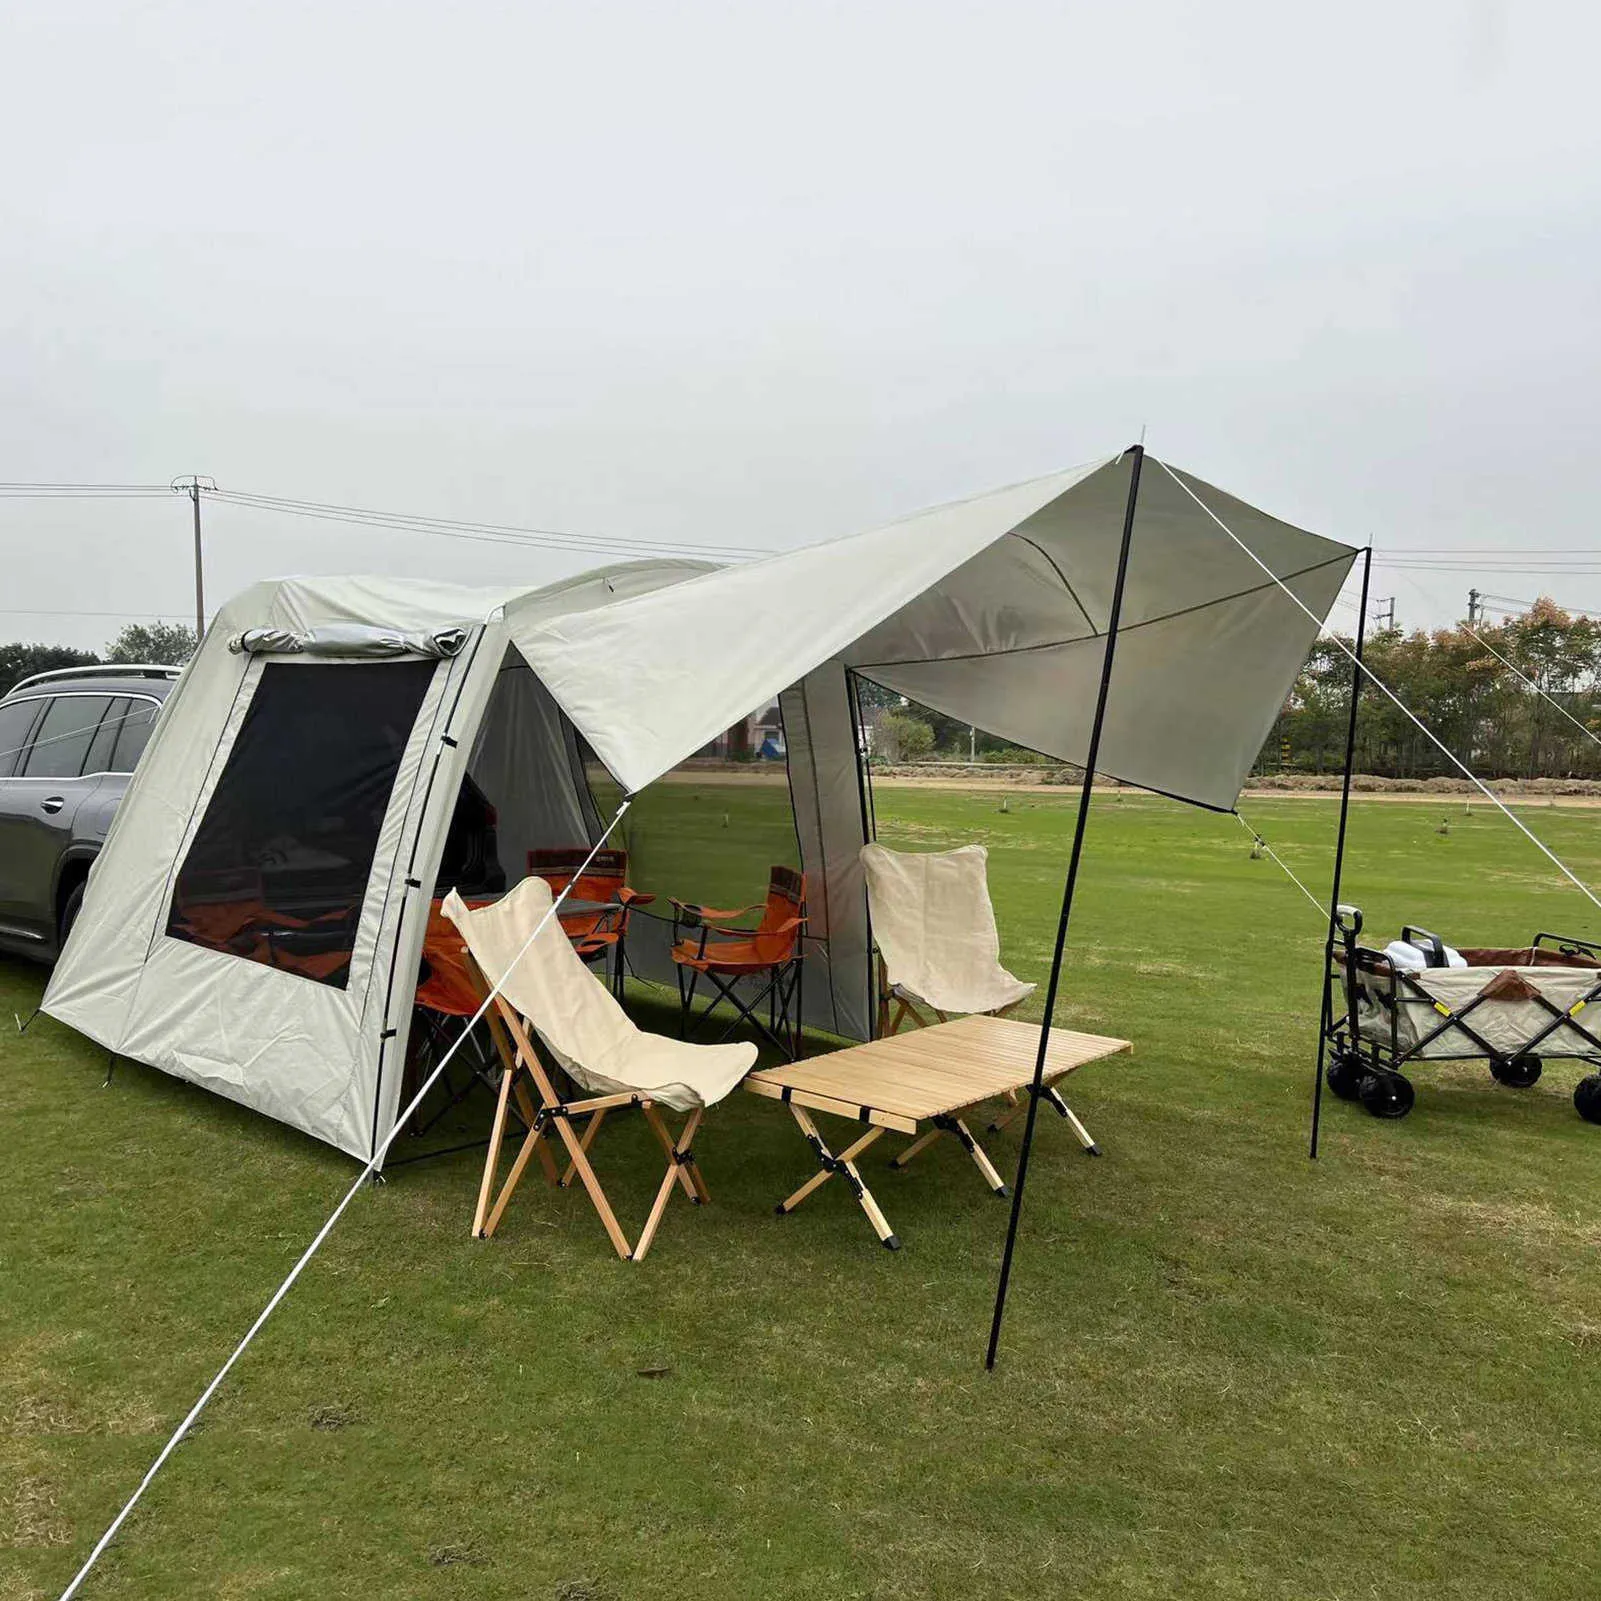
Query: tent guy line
pixel 1405 710
pixel 1256 835
pixel 327 1228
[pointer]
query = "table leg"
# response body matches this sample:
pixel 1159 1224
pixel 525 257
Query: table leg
pixel 845 1164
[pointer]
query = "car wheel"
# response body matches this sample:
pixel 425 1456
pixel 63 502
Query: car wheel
pixel 69 914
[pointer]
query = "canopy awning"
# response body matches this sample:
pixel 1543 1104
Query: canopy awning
pixel 991 610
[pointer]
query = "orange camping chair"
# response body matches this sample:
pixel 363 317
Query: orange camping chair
pixel 708 943
pixel 597 934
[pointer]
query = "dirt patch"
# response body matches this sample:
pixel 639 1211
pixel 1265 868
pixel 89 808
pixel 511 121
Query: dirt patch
pixel 29 1516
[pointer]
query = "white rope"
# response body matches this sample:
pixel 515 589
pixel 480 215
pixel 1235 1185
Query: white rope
pixel 91 729
pixel 1318 905
pixel 1405 710
pixel 1588 733
pixel 1467 628
pixel 323 1233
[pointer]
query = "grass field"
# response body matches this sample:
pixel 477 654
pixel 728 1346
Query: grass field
pixel 1227 1372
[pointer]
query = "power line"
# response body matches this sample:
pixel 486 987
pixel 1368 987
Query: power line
pixel 490 533
pixel 59 611
pixel 371 517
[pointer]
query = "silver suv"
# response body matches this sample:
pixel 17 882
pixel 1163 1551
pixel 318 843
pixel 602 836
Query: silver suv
pixel 68 741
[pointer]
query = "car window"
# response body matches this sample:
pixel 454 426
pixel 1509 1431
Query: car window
pixel 133 736
pixel 63 736
pixel 15 721
pixel 101 746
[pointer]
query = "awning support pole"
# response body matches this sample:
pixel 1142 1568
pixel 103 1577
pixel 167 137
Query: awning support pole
pixel 1092 756
pixel 1326 1016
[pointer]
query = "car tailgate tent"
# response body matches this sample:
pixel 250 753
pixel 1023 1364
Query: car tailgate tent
pixel 992 610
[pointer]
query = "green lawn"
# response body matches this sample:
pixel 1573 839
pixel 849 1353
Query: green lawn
pixel 1227 1372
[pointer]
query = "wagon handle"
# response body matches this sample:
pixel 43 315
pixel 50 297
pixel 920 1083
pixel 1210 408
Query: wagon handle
pixel 1567 944
pixel 1423 938
pixel 1348 919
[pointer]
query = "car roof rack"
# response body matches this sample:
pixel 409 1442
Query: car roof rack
pixel 101 670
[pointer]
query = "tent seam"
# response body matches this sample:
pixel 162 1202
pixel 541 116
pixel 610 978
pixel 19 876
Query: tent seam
pixel 1149 622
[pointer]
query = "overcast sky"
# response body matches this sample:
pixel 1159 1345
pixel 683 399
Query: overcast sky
pixel 762 274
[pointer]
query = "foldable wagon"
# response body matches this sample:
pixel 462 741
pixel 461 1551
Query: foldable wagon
pixel 1510 1007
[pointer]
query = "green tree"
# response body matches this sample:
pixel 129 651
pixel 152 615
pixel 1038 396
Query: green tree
pixel 166 644
pixel 20 661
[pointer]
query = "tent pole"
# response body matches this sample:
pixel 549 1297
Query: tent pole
pixel 1036 1089
pixel 1326 1015
pixel 864 794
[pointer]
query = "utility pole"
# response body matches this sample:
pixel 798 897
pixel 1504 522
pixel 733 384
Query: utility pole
pixel 191 486
pixel 1384 613
pixel 1474 605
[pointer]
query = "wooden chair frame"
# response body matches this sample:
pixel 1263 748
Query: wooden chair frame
pixel 523 1060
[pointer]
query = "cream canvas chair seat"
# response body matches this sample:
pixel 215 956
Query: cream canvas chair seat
pixel 588 1036
pixel 938 946
pixel 935 931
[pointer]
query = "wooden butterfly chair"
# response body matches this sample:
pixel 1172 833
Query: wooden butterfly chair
pixel 554 1022
pixel 599 936
pixel 938 947
pixel 709 943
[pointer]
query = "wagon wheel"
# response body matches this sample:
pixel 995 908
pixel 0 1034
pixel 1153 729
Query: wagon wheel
pixel 1517 1072
pixel 1587 1098
pixel 1344 1075
pixel 1386 1094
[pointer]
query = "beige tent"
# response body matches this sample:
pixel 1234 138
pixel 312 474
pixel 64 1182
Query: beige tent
pixel 255 921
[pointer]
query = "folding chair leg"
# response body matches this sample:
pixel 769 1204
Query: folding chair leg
pixel 678 1150
pixel 591 1129
pixel 532 1141
pixel 525 1103
pixel 586 1173
pixel 843 1163
pixel 689 1174
pixel 492 1156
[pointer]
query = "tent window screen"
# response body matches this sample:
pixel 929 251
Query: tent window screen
pixel 280 864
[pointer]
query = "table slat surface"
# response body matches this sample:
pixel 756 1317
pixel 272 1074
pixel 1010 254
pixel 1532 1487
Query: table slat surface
pixel 926 1072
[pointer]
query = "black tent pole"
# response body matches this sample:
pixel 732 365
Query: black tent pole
pixel 1092 756
pixel 1326 1017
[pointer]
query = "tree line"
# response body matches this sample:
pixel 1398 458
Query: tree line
pixel 1457 680
pixel 158 644
pixel 1462 684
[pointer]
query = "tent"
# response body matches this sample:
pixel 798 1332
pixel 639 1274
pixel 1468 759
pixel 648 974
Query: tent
pixel 255 921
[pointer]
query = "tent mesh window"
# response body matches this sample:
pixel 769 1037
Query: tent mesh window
pixel 709 831
pixel 279 867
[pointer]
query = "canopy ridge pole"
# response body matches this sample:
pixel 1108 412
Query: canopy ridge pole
pixel 1327 1010
pixel 327 1228
pixel 1092 756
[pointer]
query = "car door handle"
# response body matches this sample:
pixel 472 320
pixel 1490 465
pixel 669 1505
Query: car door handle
pixel 52 803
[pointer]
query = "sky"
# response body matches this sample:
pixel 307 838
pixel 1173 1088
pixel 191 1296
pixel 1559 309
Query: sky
pixel 756 275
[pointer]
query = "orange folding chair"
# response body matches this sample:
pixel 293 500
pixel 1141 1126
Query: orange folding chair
pixel 709 943
pixel 599 931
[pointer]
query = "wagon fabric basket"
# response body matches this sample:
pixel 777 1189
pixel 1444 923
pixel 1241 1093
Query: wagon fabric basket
pixel 1513 1007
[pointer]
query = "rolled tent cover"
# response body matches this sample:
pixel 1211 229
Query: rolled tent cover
pixel 348 639
pixel 991 610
